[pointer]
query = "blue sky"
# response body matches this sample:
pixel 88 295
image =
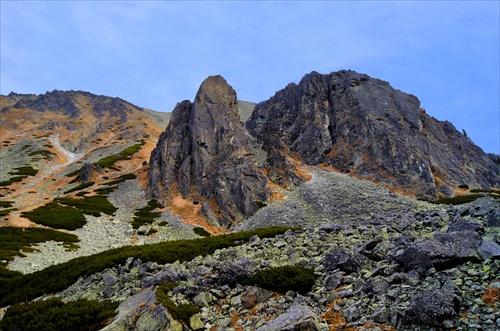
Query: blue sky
pixel 156 53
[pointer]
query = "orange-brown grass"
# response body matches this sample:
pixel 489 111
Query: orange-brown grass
pixel 491 295
pixel 303 170
pixel 190 213
pixel 334 319
pixel 235 317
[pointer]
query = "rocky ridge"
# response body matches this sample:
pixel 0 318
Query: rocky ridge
pixel 362 126
pixel 365 278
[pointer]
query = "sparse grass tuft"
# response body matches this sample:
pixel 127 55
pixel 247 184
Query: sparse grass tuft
pixel 179 312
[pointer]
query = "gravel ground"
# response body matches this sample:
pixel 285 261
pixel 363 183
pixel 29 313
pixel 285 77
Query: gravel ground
pixel 331 196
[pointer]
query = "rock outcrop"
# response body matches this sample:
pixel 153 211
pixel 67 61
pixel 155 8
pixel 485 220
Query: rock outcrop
pixel 205 155
pixel 363 126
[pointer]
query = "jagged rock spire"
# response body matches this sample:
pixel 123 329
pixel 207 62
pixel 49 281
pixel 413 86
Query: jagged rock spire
pixel 205 155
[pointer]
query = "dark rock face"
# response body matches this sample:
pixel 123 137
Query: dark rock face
pixel 363 126
pixel 89 172
pixel 434 306
pixel 444 251
pixel 205 153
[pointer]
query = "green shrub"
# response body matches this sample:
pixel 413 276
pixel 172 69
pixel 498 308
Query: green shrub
pixel 145 215
pixel 74 173
pixel 80 187
pixel 104 191
pixel 57 216
pixel 121 179
pixel 53 314
pixel 46 154
pixel 479 190
pixel 58 277
pixel 201 231
pixel 14 239
pixel 24 171
pixel 179 312
pixel 284 279
pixel 458 199
pixel 6 204
pixel 5 212
pixel 94 205
pixel 12 180
pixel 109 161
pixel 463 186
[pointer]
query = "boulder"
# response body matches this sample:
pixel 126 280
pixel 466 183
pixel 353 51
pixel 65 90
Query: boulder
pixel 141 313
pixel 444 251
pixel 489 250
pixel 433 306
pixel 340 259
pixel 297 318
pixel 494 218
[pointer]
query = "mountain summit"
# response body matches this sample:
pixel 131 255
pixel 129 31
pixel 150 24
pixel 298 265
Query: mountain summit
pixel 362 126
pixel 205 155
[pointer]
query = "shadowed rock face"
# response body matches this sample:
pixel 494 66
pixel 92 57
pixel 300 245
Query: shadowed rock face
pixel 205 153
pixel 363 126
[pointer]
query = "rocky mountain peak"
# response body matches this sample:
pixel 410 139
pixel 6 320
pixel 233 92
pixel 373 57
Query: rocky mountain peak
pixel 205 155
pixel 216 90
pixel 363 126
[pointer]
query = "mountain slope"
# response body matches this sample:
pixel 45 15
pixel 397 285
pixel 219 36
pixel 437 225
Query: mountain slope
pixel 55 134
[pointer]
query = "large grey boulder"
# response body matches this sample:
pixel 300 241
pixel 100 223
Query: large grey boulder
pixel 297 318
pixel 141 313
pixel 444 251
pixel 433 306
